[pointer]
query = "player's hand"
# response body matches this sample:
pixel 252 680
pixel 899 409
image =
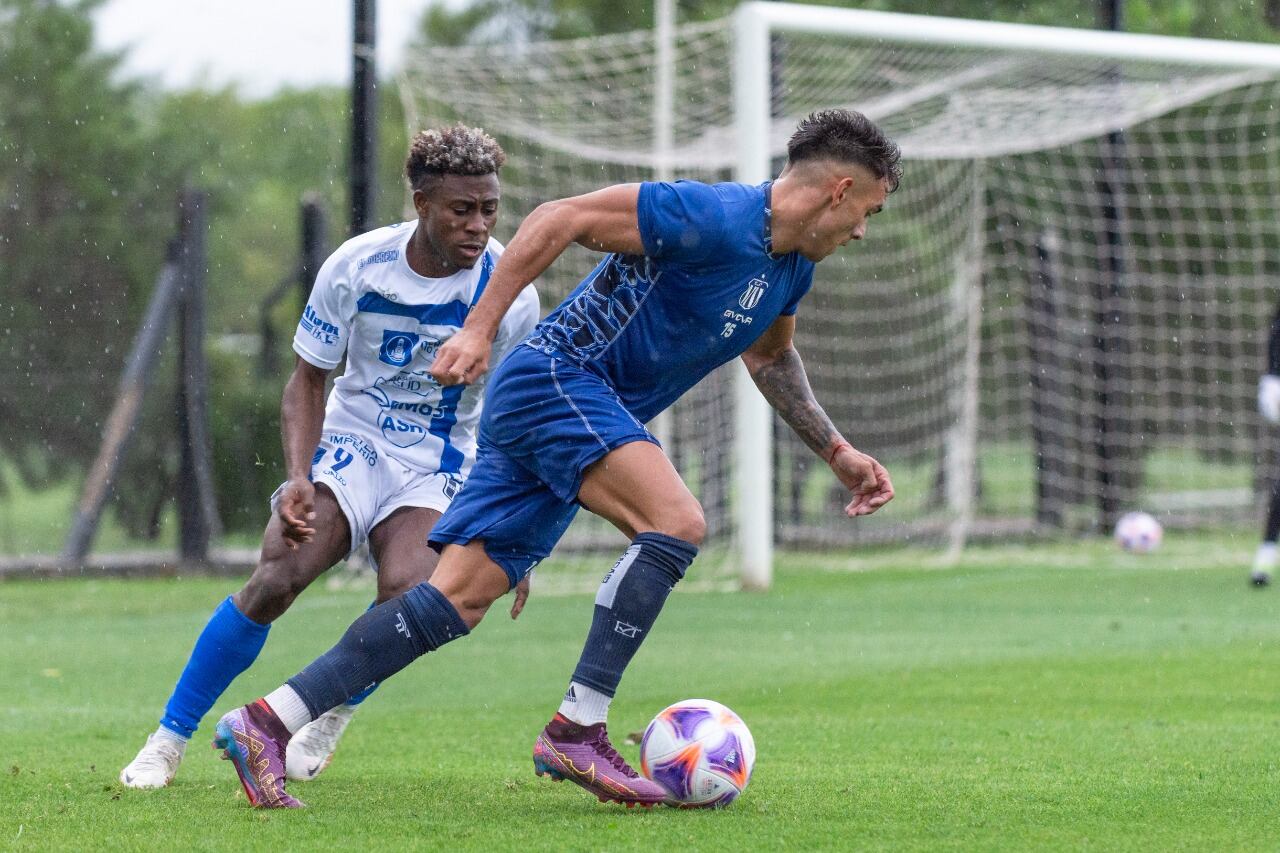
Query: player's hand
pixel 522 595
pixel 463 358
pixel 865 478
pixel 296 509
pixel 1269 397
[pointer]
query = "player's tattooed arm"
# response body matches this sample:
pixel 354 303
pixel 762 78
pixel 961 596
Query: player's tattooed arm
pixel 785 385
pixel 778 372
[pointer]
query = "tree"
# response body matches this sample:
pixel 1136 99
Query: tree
pixel 87 204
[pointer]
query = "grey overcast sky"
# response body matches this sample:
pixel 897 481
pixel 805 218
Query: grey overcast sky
pixel 261 45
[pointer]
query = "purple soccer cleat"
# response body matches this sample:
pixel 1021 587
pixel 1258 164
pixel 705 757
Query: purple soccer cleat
pixel 584 756
pixel 253 739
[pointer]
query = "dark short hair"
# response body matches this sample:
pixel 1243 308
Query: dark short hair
pixel 849 137
pixel 453 150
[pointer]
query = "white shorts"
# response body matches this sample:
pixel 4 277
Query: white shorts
pixel 370 485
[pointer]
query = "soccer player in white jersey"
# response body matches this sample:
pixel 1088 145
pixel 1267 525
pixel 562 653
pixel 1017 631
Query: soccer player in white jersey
pixel 696 276
pixel 1264 561
pixel 385 457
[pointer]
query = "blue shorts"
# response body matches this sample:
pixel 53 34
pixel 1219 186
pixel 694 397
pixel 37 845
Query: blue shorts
pixel 544 421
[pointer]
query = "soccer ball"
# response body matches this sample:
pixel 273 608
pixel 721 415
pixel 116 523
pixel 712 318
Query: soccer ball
pixel 700 751
pixel 1138 532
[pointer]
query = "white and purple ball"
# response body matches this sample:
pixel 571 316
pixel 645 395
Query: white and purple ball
pixel 1139 532
pixel 700 751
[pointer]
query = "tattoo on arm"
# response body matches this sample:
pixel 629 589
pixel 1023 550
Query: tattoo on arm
pixel 786 386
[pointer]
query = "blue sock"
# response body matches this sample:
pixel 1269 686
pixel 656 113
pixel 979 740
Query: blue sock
pixel 228 645
pixel 379 644
pixel 629 601
pixel 368 691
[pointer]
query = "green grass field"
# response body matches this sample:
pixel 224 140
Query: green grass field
pixel 1031 697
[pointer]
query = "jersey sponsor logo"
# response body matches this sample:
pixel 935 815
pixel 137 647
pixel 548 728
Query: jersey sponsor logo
pixel 353 443
pixel 397 347
pixel 750 297
pixel 318 327
pixel 385 256
pixel 400 432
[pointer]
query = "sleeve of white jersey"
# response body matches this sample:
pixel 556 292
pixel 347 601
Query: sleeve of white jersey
pixel 521 317
pixel 321 337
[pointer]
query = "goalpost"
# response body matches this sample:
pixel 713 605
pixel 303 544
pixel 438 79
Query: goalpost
pixel 1060 315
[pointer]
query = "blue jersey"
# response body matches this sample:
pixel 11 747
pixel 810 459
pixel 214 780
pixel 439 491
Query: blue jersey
pixel 706 288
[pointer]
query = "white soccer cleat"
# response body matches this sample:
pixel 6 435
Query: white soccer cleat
pixel 1264 563
pixel 156 763
pixel 311 749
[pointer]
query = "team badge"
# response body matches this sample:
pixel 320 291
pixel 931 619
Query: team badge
pixel 750 297
pixel 397 347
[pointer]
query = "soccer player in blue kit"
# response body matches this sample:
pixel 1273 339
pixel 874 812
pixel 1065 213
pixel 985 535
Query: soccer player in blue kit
pixel 695 275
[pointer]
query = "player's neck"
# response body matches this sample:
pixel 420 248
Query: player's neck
pixel 788 212
pixel 424 259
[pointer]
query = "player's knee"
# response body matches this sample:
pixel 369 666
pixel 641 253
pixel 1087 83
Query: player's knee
pixel 470 598
pixel 687 523
pixel 471 605
pixel 270 591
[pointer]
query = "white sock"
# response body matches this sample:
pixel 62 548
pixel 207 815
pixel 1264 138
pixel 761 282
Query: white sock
pixel 289 707
pixel 172 735
pixel 1265 559
pixel 585 706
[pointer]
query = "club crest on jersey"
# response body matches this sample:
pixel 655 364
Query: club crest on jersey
pixel 397 347
pixel 750 297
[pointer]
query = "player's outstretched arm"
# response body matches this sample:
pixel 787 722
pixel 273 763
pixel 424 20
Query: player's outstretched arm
pixel 301 420
pixel 778 372
pixel 605 221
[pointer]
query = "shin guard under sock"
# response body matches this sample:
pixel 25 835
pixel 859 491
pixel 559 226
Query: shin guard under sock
pixel 379 644
pixel 228 645
pixel 629 600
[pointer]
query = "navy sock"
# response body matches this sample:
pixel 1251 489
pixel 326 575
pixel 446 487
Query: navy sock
pixel 368 691
pixel 228 645
pixel 630 599
pixel 379 644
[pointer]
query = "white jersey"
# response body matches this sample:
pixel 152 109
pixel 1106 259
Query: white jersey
pixel 389 321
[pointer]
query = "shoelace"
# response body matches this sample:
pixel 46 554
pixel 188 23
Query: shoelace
pixel 601 743
pixel 159 756
pixel 329 726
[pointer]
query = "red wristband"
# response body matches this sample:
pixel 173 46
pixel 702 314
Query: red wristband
pixel 831 455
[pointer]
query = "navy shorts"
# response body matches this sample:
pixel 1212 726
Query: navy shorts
pixel 544 421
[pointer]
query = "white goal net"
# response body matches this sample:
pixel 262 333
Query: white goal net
pixel 1062 312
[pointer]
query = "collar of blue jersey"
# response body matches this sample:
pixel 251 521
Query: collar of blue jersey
pixel 768 220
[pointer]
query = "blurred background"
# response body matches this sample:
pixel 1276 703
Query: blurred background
pixel 111 110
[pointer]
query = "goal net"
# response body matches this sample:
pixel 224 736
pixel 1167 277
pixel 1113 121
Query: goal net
pixel 1061 314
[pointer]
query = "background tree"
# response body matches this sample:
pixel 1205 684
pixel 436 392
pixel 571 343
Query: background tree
pixel 87 201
